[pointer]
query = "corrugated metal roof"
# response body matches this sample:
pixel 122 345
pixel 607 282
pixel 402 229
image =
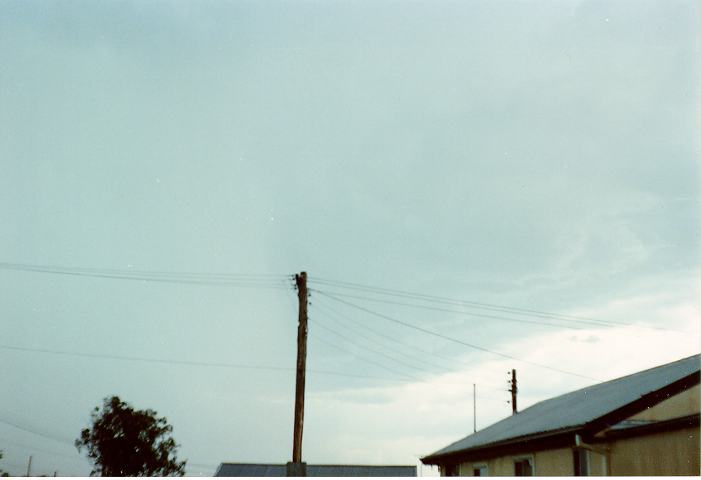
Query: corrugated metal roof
pixel 579 407
pixel 266 470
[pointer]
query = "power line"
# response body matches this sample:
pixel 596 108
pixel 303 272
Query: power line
pixel 399 342
pixel 146 359
pixel 481 305
pixel 338 317
pixel 277 282
pixel 190 363
pixel 132 271
pixel 331 314
pixel 367 360
pixel 454 340
pixel 437 309
pixel 35 432
pixel 365 347
pixel 404 376
pixel 407 356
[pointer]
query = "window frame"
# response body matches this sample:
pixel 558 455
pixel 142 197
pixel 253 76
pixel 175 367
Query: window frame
pixel 479 467
pixel 521 458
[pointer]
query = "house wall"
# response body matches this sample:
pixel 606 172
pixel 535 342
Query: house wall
pixel 554 463
pixel 496 467
pixel 667 453
pixel 659 454
pixel 685 403
pixel 546 463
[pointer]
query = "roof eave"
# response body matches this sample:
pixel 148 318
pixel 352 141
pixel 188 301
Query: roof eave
pixel 539 437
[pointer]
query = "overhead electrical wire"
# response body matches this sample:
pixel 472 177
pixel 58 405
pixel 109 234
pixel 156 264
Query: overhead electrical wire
pixel 280 281
pixel 404 376
pixel 481 305
pixel 396 340
pixel 329 313
pixel 437 309
pixel 316 336
pixel 134 271
pixel 328 309
pixel 255 281
pixel 36 432
pixel 365 347
pixel 238 280
pixel 192 363
pixel 145 359
pixel 455 340
pixel 444 370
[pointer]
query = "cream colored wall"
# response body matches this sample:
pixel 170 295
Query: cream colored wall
pixel 554 463
pixel 501 467
pixel 546 463
pixel 685 403
pixel 670 453
pixel 665 453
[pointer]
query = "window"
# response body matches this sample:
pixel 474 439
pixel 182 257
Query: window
pixel 479 470
pixel 523 467
pixel 581 462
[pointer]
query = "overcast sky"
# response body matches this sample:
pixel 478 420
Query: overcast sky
pixel 534 154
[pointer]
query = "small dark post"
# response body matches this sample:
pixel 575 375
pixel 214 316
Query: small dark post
pixel 474 407
pixel 514 392
pixel 296 468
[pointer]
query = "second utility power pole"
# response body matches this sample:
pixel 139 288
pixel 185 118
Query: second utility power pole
pixel 297 468
pixel 514 392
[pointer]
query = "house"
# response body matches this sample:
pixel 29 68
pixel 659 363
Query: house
pixel 280 470
pixel 642 424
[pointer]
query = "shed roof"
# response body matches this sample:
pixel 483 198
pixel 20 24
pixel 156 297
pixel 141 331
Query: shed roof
pixel 280 470
pixel 576 409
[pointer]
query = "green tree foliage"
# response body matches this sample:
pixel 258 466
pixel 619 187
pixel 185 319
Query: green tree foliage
pixel 2 473
pixel 124 442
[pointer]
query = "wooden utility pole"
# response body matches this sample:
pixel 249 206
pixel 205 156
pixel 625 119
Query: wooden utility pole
pixel 297 468
pixel 29 467
pixel 514 392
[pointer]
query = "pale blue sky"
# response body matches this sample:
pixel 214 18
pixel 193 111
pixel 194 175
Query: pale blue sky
pixel 531 154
